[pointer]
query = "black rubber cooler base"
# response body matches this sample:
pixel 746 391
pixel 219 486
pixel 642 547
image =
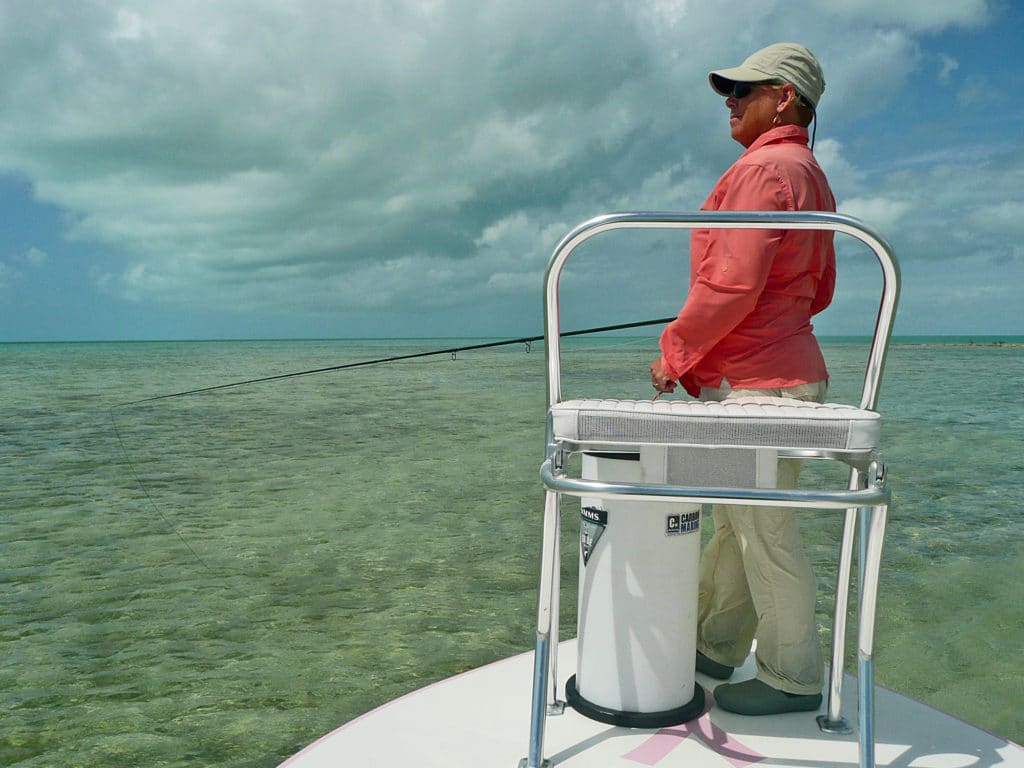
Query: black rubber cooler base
pixel 689 711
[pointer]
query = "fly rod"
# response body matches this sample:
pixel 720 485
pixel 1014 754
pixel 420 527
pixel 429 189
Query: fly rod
pixel 394 358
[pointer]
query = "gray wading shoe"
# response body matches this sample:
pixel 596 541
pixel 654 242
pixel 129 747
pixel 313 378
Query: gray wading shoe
pixel 753 697
pixel 712 668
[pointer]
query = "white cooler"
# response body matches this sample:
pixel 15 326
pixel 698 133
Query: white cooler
pixel 638 579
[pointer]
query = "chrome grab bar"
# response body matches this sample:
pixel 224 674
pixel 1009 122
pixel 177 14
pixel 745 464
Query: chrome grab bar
pixel 764 497
pixel 728 220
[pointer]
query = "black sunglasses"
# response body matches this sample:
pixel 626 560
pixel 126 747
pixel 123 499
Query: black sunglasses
pixel 742 90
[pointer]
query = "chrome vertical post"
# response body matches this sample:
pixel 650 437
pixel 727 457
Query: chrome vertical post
pixel 554 706
pixel 873 531
pixel 833 721
pixel 543 649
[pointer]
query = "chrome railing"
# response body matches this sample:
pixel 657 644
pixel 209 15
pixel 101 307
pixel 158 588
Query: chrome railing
pixel 727 220
pixel 866 498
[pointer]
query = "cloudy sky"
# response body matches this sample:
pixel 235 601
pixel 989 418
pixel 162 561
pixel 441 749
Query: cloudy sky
pixel 347 168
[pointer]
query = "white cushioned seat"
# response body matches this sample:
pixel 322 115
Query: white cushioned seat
pixel 749 422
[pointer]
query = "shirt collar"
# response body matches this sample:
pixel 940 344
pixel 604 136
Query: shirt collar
pixel 783 134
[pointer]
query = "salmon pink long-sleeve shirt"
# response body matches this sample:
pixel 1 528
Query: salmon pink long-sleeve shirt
pixel 747 317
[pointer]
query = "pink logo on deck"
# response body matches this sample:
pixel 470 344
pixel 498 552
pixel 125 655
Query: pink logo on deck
pixel 659 745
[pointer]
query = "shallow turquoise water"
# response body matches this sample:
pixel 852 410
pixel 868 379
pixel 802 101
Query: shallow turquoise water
pixel 218 579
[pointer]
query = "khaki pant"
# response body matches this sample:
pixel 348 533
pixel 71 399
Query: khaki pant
pixel 756 582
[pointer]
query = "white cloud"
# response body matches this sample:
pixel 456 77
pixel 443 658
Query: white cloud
pixel 947 66
pixel 346 155
pixel 128 26
pixel 883 213
pixel 864 71
pixel 34 257
pixel 845 179
pixel 1002 219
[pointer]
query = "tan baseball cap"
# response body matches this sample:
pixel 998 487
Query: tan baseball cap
pixel 787 62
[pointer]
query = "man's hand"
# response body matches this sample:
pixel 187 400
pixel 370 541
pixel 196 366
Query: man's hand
pixel 659 380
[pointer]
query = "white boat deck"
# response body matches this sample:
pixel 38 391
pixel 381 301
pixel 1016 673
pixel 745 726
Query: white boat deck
pixel 481 719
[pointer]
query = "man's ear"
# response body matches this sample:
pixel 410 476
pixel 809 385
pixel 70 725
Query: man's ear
pixel 788 97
